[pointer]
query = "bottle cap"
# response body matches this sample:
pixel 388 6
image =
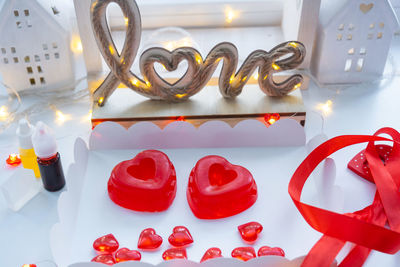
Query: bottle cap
pixel 44 141
pixel 24 133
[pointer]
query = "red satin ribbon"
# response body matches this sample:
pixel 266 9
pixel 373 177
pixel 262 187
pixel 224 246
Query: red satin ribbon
pixel 365 228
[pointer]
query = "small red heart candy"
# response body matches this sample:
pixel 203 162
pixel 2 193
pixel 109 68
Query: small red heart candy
pixel 211 253
pixel 268 251
pixel 217 189
pixel 180 237
pixel 106 244
pixel 149 240
pixel 244 253
pixel 107 259
pixel 145 183
pixel 359 163
pixel 125 254
pixel 174 253
pixel 250 231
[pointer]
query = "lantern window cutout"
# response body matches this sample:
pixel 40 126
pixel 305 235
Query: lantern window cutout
pixel 32 81
pixel 42 80
pixel 341 27
pixel 363 51
pixel 349 37
pixel 37 58
pixel 370 36
pixel 19 24
pixel 351 27
pixel 13 50
pixel 27 59
pixel 372 25
pixel 45 47
pixel 347 66
pixel 381 25
pixel 360 64
pixel 379 35
pixel 16 13
pixel 5 60
pixel 55 46
pixel 16 60
pixel 28 23
pixel 26 12
pixel 29 70
pixel 39 68
pixel 351 51
pixel 339 37
pixel 47 56
pixel 3 51
pixel 57 55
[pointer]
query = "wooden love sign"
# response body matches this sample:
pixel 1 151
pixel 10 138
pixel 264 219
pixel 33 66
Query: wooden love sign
pixel 283 57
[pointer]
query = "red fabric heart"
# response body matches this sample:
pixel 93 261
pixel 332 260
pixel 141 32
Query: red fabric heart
pixel 359 163
pixel 174 253
pixel 149 240
pixel 211 253
pixel 180 237
pixel 125 254
pixel 250 231
pixel 218 189
pixel 106 244
pixel 244 253
pixel 268 251
pixel 145 183
pixel 107 259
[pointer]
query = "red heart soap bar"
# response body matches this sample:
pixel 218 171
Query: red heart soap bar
pixel 244 253
pixel 148 239
pixel 180 237
pixel 359 163
pixel 218 189
pixel 268 251
pixel 144 183
pixel 174 253
pixel 107 259
pixel 125 254
pixel 250 231
pixel 211 253
pixel 106 244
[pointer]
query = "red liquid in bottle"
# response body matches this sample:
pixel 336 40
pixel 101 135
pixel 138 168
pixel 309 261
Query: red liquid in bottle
pixel 52 173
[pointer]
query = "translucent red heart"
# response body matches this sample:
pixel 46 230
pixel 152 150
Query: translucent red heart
pixel 149 240
pixel 107 259
pixel 244 253
pixel 106 244
pixel 250 231
pixel 211 253
pixel 180 237
pixel 268 251
pixel 125 254
pixel 174 253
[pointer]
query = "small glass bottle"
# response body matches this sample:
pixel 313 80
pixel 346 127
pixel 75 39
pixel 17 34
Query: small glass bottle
pixel 28 157
pixel 48 158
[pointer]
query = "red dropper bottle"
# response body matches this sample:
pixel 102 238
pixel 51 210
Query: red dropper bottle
pixel 44 144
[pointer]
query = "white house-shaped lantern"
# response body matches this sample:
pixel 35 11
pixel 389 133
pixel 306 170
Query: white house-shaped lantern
pixel 353 40
pixel 34 48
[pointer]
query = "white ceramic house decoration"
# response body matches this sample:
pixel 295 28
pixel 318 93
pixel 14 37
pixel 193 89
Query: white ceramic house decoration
pixel 353 40
pixel 35 48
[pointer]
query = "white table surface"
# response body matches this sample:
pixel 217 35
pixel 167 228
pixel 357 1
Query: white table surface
pixel 360 109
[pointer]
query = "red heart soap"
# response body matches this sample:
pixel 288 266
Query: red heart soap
pixel 250 231
pixel 268 251
pixel 107 259
pixel 359 163
pixel 218 189
pixel 125 254
pixel 145 183
pixel 149 240
pixel 174 253
pixel 244 253
pixel 106 244
pixel 180 237
pixel 211 253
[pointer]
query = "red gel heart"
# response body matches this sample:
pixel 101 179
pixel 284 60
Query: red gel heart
pixel 107 259
pixel 144 183
pixel 244 253
pixel 106 244
pixel 218 189
pixel 359 163
pixel 125 254
pixel 249 231
pixel 174 253
pixel 211 253
pixel 180 237
pixel 149 240
pixel 268 251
